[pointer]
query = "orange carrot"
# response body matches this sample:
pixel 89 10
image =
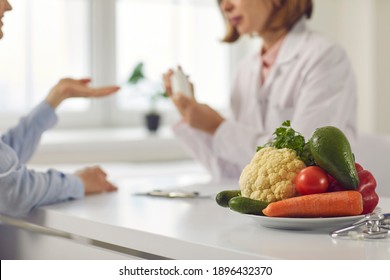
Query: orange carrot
pixel 332 204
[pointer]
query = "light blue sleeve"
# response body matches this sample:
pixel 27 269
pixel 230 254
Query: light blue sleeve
pixel 22 189
pixel 25 136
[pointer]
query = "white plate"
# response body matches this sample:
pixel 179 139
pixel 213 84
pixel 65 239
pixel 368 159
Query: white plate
pixel 306 223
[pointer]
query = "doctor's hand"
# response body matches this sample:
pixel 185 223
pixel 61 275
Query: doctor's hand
pixel 167 82
pixel 168 85
pixel 67 88
pixel 196 115
pixel 95 180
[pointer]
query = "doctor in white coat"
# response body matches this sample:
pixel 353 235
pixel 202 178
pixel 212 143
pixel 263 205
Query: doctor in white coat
pixel 296 75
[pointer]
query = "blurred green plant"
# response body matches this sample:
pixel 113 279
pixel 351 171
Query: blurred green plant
pixel 138 76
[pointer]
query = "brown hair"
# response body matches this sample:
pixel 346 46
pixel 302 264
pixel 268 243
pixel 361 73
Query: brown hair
pixel 285 16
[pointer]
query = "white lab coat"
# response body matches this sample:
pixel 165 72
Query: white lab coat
pixel 311 84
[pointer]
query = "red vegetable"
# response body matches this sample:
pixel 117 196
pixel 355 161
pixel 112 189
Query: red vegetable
pixel 358 167
pixel 311 180
pixel 366 188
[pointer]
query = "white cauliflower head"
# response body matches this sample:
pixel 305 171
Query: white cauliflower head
pixel 270 176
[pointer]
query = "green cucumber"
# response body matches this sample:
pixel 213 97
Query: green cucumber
pixel 246 205
pixel 224 197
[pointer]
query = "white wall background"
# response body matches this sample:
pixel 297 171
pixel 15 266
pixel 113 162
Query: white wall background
pixel 361 27
pixel 382 59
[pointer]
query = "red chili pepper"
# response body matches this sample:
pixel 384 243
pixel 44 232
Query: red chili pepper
pixel 366 188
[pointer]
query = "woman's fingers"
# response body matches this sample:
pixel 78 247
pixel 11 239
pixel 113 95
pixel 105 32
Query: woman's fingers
pixel 167 82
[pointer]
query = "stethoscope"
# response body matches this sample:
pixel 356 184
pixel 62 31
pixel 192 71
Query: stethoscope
pixel 372 226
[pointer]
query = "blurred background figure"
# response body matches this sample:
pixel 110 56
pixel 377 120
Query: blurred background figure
pixel 297 74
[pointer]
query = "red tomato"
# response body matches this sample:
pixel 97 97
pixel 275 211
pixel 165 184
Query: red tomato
pixel 311 180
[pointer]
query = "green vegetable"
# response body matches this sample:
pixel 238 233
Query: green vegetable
pixel 224 197
pixel 331 151
pixel 247 205
pixel 286 137
pixel 306 156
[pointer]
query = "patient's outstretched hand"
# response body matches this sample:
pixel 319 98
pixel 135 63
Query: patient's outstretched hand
pixel 67 88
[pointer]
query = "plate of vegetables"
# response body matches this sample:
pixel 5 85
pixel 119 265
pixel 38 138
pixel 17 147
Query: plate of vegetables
pixel 308 212
pixel 294 184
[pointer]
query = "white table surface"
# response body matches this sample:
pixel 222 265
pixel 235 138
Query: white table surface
pixel 191 228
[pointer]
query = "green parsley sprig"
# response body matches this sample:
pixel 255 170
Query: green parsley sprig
pixel 286 137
